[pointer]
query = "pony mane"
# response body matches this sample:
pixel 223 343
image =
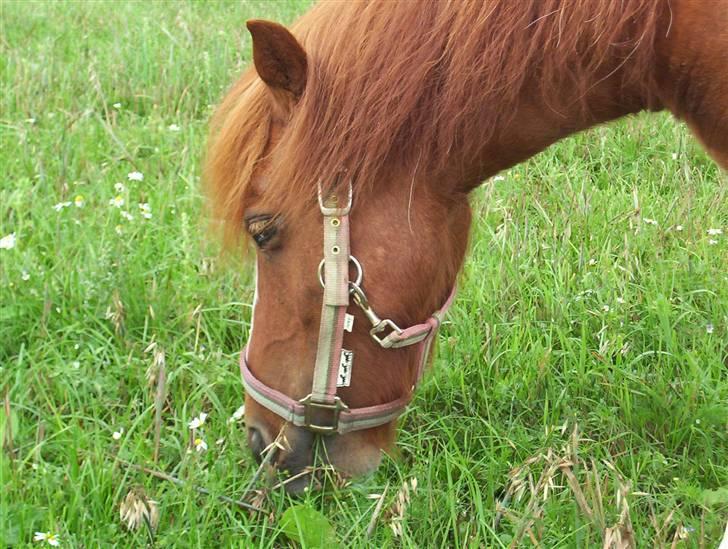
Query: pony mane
pixel 239 133
pixel 405 84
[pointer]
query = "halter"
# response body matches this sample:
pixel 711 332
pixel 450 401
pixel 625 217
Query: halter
pixel 334 363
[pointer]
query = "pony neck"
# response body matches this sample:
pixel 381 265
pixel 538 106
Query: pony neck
pixel 535 125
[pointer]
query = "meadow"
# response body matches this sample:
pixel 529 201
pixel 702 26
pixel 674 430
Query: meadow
pixel 579 391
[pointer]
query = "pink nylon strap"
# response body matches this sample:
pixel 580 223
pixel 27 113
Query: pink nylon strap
pixel 419 332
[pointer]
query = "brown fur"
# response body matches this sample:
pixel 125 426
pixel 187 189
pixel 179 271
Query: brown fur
pixel 418 102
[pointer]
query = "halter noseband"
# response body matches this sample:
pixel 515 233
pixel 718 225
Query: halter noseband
pixel 333 362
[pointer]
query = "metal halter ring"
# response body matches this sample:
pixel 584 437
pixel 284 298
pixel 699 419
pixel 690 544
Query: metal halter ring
pixel 354 260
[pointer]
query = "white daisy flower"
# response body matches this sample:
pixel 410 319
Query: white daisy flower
pixel 712 242
pixel 126 215
pixel 620 301
pixel 119 187
pixel 709 328
pixel 173 128
pixel 117 434
pixel 200 445
pixel 198 422
pixel 116 105
pixel 25 275
pixel 649 221
pixel 135 176
pixel 605 308
pixel 8 242
pixel 592 262
pixel 119 230
pixel 715 232
pixel 146 210
pixel 79 201
pixel 679 228
pixel 50 539
pixel 237 414
pixel 61 205
pixel 117 201
pixel 674 156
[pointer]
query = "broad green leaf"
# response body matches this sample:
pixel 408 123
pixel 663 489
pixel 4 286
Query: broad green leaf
pixel 308 527
pixel 712 498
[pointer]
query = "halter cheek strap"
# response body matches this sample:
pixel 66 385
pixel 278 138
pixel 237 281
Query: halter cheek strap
pixel 323 400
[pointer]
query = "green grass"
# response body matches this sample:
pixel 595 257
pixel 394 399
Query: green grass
pixel 530 351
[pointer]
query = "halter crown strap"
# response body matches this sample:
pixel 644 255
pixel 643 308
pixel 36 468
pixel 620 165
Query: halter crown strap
pixel 335 302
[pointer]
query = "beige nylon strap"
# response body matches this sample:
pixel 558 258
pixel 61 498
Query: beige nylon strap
pixel 336 300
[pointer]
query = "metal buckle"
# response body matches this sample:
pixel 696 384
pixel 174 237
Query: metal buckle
pixel 383 325
pixel 309 404
pixel 339 211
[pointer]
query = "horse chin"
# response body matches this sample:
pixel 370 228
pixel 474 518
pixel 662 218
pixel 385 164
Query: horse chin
pixel 350 456
pixel 353 455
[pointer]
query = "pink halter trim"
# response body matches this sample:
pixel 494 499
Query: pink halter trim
pixel 293 411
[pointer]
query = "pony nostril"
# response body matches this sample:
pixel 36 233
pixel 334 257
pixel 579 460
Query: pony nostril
pixel 256 443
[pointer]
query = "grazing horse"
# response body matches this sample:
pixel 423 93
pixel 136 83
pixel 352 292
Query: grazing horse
pixel 348 151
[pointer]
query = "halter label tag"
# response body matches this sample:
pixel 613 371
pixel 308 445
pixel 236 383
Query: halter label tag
pixel 348 322
pixel 346 363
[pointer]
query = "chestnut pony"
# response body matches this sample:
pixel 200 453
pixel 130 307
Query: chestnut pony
pixel 411 105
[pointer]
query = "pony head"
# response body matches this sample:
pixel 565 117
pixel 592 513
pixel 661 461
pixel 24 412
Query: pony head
pixel 408 235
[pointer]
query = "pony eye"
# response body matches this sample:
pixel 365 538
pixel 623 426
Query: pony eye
pixel 262 229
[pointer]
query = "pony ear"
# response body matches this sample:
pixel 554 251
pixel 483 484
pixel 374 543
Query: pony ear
pixel 279 60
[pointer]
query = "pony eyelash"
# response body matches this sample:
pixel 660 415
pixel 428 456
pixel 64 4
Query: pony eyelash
pixel 261 229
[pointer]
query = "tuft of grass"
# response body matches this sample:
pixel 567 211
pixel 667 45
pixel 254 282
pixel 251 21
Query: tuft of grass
pixel 592 296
